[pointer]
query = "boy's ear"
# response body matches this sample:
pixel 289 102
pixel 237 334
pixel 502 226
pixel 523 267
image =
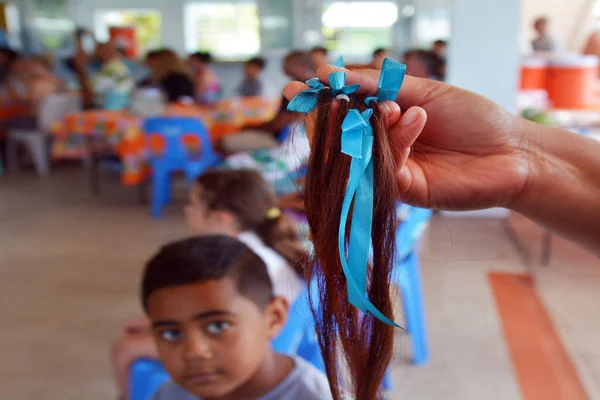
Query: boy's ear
pixel 276 314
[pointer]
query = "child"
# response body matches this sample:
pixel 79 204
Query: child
pixel 214 313
pixel 237 203
pixel 424 64
pixel 252 84
pixel 206 81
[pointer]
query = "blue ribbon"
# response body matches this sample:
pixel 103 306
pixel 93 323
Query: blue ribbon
pixel 390 80
pixel 306 100
pixel 337 80
pixel 357 142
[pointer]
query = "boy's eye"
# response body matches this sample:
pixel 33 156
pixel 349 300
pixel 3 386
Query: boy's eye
pixel 214 328
pixel 170 335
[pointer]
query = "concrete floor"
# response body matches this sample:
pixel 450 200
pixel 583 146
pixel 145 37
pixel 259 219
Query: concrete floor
pixel 70 266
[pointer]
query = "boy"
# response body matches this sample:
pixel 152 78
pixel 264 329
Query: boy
pixel 252 85
pixel 213 314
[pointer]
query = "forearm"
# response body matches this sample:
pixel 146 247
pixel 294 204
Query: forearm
pixel 563 190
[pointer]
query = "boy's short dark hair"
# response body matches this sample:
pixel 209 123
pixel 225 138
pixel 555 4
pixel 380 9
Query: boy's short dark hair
pixel 206 258
pixel 258 61
pixel 319 49
pixel 204 57
pixel 440 42
pixel 378 51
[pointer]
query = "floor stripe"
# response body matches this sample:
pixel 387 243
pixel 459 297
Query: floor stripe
pixel 541 363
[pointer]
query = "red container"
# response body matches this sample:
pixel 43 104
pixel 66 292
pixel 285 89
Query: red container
pixel 534 73
pixel 572 81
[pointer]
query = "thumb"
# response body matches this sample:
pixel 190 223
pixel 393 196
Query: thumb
pixel 406 131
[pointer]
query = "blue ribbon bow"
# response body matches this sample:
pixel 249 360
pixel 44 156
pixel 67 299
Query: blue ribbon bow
pixel 357 142
pixel 306 100
pixel 337 80
pixel 390 80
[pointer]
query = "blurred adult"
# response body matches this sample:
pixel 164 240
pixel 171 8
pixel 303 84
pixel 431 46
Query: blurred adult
pixel 379 55
pixel 206 82
pixel 423 64
pixel 472 154
pixel 544 41
pixel 112 81
pixel 298 66
pixel 318 55
pixel 168 73
pixel 36 82
pixel 252 84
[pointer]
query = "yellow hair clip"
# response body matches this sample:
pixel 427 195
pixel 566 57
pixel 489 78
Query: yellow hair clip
pixel 273 213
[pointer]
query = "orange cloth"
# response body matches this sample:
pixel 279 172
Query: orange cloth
pixel 123 131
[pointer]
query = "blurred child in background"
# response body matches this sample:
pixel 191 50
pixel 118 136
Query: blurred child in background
pixel 252 85
pixel 379 55
pixel 424 64
pixel 206 82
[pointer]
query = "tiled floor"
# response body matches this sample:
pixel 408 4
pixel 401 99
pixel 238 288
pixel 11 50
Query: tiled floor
pixel 70 265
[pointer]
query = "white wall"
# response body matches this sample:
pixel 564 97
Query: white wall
pixel 484 48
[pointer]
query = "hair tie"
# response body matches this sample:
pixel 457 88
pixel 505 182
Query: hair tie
pixel 273 213
pixel 342 96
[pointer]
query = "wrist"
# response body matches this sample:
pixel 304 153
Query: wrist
pixel 541 163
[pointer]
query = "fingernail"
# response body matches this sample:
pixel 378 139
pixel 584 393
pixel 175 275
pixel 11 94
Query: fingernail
pixel 410 117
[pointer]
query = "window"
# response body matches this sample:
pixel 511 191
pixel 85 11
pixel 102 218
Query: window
pixel 358 28
pixel 229 31
pixel 52 24
pixel 147 25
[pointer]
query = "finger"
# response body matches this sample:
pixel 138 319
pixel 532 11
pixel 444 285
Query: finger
pixel 404 134
pixel 413 92
pixel 293 88
pixel 390 112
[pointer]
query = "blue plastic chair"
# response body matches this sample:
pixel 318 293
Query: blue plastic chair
pixel 176 156
pixel 407 277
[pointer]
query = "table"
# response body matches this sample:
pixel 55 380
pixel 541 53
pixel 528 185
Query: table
pixel 80 134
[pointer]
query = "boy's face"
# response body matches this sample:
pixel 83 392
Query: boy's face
pixel 212 340
pixel 252 70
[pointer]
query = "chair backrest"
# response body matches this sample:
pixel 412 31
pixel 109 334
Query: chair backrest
pixel 55 107
pixel 177 138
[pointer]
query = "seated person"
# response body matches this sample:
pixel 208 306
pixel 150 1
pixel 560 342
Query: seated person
pixel 298 66
pixel 240 204
pixel 167 72
pixel 112 79
pixel 252 84
pixel 31 84
pixel 423 64
pixel 379 55
pixel 207 86
pixel 318 56
pixel 213 315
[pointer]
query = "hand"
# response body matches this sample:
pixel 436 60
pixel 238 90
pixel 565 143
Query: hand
pixel 137 325
pixel 471 153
